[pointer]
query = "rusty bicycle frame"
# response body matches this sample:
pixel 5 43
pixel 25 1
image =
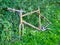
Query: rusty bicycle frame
pixel 22 22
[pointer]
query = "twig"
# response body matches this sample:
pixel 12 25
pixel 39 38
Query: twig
pixel 39 18
pixel 12 9
pixel 30 25
pixel 46 19
pixel 29 13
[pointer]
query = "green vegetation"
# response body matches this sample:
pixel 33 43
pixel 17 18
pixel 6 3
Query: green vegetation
pixel 9 22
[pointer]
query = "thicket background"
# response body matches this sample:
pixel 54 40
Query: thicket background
pixel 9 22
